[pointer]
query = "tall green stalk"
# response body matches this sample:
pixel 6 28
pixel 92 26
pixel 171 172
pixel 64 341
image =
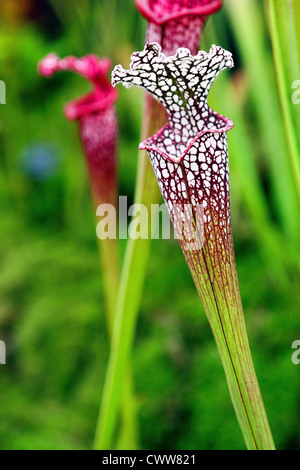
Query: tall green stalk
pixel 225 314
pixel 297 19
pixel 110 267
pixel 109 261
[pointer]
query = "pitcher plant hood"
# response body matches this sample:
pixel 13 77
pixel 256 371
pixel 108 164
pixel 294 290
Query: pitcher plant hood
pixel 177 23
pixel 97 120
pixel 161 11
pixel 93 69
pixel 189 154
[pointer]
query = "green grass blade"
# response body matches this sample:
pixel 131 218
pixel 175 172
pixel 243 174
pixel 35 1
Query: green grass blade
pixel 109 260
pixel 286 56
pixel 297 19
pixel 249 29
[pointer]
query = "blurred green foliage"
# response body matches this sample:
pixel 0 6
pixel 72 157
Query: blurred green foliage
pixel 51 302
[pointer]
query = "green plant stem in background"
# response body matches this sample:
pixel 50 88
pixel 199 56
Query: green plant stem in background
pixel 110 267
pixel 286 56
pixel 297 19
pixel 130 290
pixel 109 259
pixel 249 31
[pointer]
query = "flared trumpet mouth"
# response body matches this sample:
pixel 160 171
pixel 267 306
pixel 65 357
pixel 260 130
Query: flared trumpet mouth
pixel 90 103
pixel 91 68
pixel 181 84
pixel 176 154
pixel 161 11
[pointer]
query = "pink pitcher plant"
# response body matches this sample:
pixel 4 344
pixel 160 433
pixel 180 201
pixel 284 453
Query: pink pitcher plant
pixel 97 120
pixel 96 116
pixel 177 23
pixel 98 129
pixel 173 24
pixel 190 159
